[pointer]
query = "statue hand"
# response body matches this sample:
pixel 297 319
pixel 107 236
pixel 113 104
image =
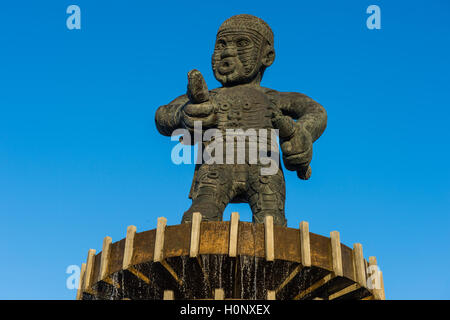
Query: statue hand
pixel 202 112
pixel 199 107
pixel 296 145
pixel 304 173
pixel 300 143
pixel 294 137
pixel 284 124
pixel 197 90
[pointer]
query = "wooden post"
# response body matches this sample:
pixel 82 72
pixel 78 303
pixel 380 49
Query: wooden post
pixel 383 294
pixel 129 243
pixel 336 254
pixel 378 291
pixel 89 269
pixel 269 240
pixel 158 253
pixel 234 226
pixel 195 234
pixel 219 294
pixel 159 240
pixel 305 247
pixel 168 295
pixel 374 275
pixel 372 261
pixel 80 282
pixel 271 295
pixel 358 261
pixel 104 262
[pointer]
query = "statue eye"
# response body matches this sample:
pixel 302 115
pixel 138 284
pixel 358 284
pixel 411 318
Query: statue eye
pixel 220 44
pixel 242 42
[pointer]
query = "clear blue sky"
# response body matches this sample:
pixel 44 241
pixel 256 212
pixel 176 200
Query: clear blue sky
pixel 80 157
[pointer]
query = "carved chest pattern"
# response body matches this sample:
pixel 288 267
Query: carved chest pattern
pixel 243 107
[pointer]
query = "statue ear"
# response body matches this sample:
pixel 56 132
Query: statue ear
pixel 268 56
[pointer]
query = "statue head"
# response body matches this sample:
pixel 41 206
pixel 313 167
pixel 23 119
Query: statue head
pixel 243 50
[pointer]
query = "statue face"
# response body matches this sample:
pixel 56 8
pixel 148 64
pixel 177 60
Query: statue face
pixel 236 58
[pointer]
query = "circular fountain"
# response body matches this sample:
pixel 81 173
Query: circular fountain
pixel 229 260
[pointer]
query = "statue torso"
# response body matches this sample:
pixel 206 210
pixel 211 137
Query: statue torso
pixel 242 111
pixel 243 107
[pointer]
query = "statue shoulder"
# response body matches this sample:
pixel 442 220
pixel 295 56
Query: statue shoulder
pixel 269 91
pixel 272 94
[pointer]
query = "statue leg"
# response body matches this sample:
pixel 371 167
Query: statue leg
pixel 211 193
pixel 266 196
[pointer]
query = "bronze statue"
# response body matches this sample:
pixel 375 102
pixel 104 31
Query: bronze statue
pixel 244 49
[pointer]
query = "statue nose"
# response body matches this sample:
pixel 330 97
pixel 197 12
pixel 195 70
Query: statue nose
pixel 228 52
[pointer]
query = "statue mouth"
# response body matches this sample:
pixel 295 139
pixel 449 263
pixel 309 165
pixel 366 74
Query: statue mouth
pixel 226 66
